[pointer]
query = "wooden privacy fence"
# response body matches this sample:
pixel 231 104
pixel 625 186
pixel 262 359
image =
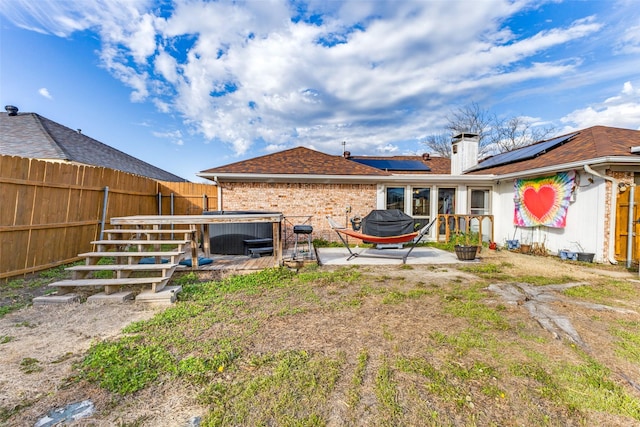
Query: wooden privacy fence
pixel 51 211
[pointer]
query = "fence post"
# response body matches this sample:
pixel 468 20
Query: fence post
pixel 172 212
pixel 104 211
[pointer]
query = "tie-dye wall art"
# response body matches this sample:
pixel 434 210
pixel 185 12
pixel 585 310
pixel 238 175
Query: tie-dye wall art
pixel 543 201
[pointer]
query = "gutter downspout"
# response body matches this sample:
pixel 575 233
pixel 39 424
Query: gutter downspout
pixel 612 210
pixel 630 223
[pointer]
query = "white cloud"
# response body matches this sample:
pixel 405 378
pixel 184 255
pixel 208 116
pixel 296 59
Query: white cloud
pixel 247 73
pixel 175 136
pixel 622 110
pixel 43 91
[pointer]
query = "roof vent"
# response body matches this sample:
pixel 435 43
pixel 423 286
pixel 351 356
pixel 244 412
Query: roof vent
pixel 346 154
pixel 11 110
pixel 79 130
pixel 426 156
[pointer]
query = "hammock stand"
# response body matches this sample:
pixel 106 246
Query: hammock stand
pixel 402 238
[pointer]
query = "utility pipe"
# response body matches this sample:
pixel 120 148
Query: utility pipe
pixel 630 222
pixel 612 211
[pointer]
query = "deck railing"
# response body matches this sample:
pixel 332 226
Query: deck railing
pixel 449 225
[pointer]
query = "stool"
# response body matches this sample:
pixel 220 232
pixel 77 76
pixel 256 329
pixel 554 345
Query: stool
pixel 304 230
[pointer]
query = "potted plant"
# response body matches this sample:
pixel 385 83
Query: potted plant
pixel 466 246
pixel 582 255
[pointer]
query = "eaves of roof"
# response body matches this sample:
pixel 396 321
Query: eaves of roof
pixel 608 161
pixel 353 179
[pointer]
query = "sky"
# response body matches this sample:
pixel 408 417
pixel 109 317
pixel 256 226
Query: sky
pixel 188 85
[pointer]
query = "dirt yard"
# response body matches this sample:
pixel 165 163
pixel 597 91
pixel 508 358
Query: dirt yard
pixel 42 343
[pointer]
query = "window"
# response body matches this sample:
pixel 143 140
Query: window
pixel 446 200
pixel 421 203
pixel 479 202
pixel 446 205
pixel 395 198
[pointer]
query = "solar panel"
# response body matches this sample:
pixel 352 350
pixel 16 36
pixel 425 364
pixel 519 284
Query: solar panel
pixel 394 165
pixel 524 153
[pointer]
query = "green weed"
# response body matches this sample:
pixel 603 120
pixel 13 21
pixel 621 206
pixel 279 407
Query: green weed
pixel 387 393
pixel 354 393
pixel 628 342
pixel 289 388
pixel 29 365
pixel 127 365
pixel 466 302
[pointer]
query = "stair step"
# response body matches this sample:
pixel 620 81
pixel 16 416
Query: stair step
pixel 140 242
pixel 113 285
pixel 146 230
pixel 115 267
pixel 143 254
pixel 107 282
pixel 185 233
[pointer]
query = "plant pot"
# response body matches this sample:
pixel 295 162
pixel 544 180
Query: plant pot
pixel 466 253
pixel 567 255
pixel 585 256
pixel 525 249
pixel 513 244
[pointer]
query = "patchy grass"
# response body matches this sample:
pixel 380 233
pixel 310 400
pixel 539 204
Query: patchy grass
pixel 18 293
pixel 604 292
pixel 363 346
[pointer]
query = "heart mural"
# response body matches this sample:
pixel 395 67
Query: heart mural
pixel 540 203
pixel 543 201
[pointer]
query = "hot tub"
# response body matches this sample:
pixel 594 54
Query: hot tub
pixel 228 238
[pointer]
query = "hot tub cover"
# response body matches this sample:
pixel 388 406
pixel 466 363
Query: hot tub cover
pixel 387 222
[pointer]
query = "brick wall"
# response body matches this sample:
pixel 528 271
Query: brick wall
pixel 302 199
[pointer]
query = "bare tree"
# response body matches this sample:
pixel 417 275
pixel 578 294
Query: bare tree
pixel 517 132
pixel 495 135
pixel 440 144
pixel 472 119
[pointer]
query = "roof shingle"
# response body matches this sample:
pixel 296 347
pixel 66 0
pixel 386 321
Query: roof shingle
pixel 590 143
pixel 297 161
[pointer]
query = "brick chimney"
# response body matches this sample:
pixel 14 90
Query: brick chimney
pixel 464 152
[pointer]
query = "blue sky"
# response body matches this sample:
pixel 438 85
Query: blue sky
pixel 189 85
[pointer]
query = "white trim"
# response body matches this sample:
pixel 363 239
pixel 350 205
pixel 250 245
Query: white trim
pixel 330 179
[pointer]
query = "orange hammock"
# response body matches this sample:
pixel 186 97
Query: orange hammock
pixel 401 238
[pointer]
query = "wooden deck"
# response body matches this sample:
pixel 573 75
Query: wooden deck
pixel 227 265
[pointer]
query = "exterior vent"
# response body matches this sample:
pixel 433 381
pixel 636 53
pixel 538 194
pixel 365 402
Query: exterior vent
pixel 11 110
pixel 426 157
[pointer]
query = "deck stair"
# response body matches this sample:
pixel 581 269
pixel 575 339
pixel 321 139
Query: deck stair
pixel 123 249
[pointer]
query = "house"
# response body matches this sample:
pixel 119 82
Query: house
pixel 33 136
pixel 571 191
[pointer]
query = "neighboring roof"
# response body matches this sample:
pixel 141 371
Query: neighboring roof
pixel 597 142
pixel 33 136
pixel 297 161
